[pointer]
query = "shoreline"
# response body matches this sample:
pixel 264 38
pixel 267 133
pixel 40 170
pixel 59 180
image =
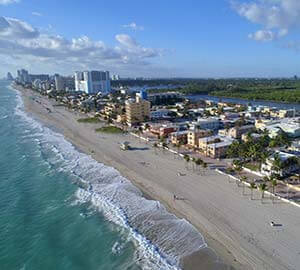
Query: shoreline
pixel 205 221
pixel 214 255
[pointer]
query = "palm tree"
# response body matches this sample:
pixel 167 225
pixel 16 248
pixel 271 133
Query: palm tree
pixel 198 162
pixel 187 159
pixel 266 179
pixel 155 145
pixel 263 188
pixel 252 186
pixel 274 184
pixel 238 170
pixel 178 145
pixel 277 164
pixel 204 165
pixel 264 155
pixel 244 180
pixel 194 162
pixel 164 146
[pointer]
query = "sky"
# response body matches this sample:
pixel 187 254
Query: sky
pixel 157 38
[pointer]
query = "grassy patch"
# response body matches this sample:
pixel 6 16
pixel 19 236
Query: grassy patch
pixel 91 120
pixel 252 166
pixel 109 129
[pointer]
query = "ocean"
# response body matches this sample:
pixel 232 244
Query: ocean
pixel 60 209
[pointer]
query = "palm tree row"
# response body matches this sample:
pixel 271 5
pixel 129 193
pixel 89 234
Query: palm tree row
pixel 272 180
pixel 197 162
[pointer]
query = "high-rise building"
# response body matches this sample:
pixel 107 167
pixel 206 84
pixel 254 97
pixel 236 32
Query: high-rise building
pixel 92 82
pixel 63 83
pixel 23 76
pixel 59 83
pixel 137 111
pixel 9 77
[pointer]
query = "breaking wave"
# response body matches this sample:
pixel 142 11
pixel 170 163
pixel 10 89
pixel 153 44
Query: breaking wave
pixel 161 238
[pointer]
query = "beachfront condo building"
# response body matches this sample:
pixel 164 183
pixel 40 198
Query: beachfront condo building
pixel 137 110
pixel 92 82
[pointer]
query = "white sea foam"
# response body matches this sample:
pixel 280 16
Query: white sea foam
pixel 161 238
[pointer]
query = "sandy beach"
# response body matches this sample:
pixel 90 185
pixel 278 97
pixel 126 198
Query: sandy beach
pixel 235 227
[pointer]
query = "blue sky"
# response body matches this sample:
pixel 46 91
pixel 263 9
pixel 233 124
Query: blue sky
pixel 216 38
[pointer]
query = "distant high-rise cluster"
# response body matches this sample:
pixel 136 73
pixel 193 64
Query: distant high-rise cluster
pixel 92 82
pixel 24 77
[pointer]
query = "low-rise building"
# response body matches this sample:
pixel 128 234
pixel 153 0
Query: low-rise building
pixel 215 146
pixel 211 123
pixel 286 113
pixel 230 116
pixel 112 109
pixel 194 136
pixel 159 114
pixel 254 136
pixel 161 98
pixel 236 132
pixel 162 130
pixel 290 126
pixel 179 137
pixel 287 164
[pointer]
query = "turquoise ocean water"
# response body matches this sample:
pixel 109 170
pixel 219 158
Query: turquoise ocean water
pixel 60 209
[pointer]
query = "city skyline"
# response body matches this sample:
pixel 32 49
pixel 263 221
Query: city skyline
pixel 216 39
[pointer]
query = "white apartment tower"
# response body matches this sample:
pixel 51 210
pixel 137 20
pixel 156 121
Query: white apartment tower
pixel 93 82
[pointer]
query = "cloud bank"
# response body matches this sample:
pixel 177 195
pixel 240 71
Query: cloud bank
pixel 275 17
pixel 7 2
pixel 23 44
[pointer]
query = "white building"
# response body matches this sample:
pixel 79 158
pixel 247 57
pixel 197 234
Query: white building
pixel 158 114
pixel 37 84
pixel 288 164
pixel 115 77
pixel 93 82
pixel 206 123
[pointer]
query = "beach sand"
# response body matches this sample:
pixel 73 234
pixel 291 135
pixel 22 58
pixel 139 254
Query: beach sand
pixel 236 228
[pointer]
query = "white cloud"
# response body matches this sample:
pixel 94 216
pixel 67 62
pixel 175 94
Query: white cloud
pixel 13 28
pixel 262 35
pixel 134 26
pixel 34 13
pixel 7 2
pixel 276 17
pixel 26 45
